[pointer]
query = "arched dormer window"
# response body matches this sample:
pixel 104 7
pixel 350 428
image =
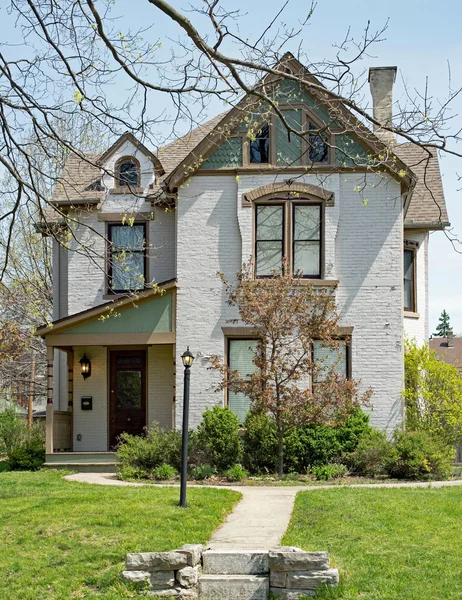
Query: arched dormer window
pixel 127 172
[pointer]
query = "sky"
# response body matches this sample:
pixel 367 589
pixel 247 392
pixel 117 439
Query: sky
pixel 422 39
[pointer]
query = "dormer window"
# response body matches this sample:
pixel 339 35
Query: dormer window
pixel 128 173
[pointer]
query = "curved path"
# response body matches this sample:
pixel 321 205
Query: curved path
pixel 261 518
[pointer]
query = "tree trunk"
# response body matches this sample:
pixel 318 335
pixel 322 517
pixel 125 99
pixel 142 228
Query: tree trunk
pixel 30 406
pixel 280 452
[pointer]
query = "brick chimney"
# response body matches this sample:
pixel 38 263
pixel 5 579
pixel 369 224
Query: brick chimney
pixel 381 80
pixel 450 338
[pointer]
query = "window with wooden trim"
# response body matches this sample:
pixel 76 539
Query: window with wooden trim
pixel 259 147
pixel 288 233
pixel 296 150
pixel 409 280
pixel 327 357
pixel 241 354
pixel 126 257
pixel 128 172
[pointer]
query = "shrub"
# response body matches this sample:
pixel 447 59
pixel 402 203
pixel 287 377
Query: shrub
pixel 140 455
pixel 218 435
pixel 236 473
pixel 29 457
pixel 15 432
pixel 260 443
pixel 202 472
pixel 417 455
pixel 372 456
pixel 163 472
pixel 327 472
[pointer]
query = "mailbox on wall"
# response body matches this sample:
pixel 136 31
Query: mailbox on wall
pixel 86 402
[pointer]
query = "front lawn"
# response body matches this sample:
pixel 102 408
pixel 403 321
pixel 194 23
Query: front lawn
pixel 389 544
pixel 61 540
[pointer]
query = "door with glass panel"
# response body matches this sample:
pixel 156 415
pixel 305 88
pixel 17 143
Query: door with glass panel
pixel 127 393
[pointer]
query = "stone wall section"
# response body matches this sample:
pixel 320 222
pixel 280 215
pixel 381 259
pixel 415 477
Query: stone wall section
pixel 194 572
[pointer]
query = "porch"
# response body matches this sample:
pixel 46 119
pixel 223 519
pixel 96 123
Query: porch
pixel 120 378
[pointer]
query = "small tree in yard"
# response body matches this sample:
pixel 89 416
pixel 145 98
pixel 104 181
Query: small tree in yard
pixel 433 395
pixel 444 326
pixel 288 317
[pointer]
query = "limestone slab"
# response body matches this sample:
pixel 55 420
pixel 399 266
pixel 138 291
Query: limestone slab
pixel 310 580
pixel 162 579
pixel 136 576
pixel 282 560
pixel 188 577
pixel 233 587
pixel 235 562
pixel 156 561
pixel 278 579
pixel 291 594
pixel 193 553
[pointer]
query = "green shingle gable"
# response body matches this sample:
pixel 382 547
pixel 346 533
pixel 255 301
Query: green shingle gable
pixel 149 316
pixel 348 152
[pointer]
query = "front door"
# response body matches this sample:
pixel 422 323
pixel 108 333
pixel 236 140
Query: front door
pixel 127 393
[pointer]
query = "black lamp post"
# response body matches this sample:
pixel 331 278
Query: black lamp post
pixel 187 359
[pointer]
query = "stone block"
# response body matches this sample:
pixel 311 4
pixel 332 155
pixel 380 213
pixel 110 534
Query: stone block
pixel 188 576
pixel 193 553
pixel 156 561
pixel 233 587
pixel 291 594
pixel 310 580
pixel 136 576
pixel 278 579
pixel 235 562
pixel 179 593
pixel 282 560
pixel 161 580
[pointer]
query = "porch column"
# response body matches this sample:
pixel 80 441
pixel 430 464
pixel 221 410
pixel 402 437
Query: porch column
pixel 70 392
pixel 50 413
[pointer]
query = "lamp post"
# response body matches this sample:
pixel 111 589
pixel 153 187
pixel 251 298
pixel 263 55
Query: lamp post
pixel 187 359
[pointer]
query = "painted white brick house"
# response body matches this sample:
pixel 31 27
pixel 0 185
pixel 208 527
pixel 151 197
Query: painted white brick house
pixel 196 207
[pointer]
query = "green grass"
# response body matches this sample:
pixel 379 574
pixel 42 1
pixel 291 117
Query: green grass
pixel 61 540
pixel 389 544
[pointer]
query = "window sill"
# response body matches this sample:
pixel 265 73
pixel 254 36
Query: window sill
pixel 129 190
pixel 411 315
pixel 317 282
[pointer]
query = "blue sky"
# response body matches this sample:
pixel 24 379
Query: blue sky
pixel 421 40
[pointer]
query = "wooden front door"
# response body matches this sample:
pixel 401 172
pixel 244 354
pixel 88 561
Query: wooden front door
pixel 127 393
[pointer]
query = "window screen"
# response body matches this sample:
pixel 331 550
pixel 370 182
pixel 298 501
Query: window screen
pixel 126 257
pixel 409 303
pixel 307 240
pixel 240 358
pixel 326 357
pixel 269 239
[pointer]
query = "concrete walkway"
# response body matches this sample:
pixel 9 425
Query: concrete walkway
pixel 261 518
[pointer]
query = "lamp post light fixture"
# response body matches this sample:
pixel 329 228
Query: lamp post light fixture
pixel 85 366
pixel 187 359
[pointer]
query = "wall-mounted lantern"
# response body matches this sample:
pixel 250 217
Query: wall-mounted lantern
pixel 85 366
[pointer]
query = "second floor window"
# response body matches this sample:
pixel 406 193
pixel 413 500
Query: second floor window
pixel 126 254
pixel 288 231
pixel 259 147
pixel 409 280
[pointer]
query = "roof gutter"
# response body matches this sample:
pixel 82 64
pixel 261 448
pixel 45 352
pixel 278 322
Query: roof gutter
pixel 435 225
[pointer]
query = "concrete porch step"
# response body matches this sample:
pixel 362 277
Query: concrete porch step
pixel 84 467
pixel 233 587
pixel 82 457
pixel 235 562
pixel 83 462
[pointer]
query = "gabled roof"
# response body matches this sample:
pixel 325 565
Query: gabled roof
pixel 129 137
pixel 79 181
pixel 427 207
pixel 451 355
pixel 103 310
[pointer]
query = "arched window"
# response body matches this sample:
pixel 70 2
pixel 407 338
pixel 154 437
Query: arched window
pixel 128 172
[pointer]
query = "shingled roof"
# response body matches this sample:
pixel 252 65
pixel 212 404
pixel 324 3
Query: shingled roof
pixel 79 183
pixel 427 206
pixel 450 354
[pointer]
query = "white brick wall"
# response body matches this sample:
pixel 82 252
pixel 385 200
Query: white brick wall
pixel 363 250
pixel 161 379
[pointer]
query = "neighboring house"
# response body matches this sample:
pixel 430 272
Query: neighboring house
pixel 349 208
pixel 448 349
